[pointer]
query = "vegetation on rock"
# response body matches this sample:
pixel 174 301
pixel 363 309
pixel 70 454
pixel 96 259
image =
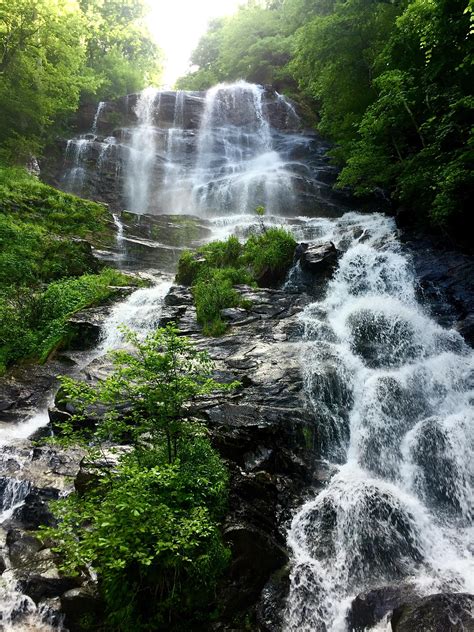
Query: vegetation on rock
pixel 214 269
pixel 47 269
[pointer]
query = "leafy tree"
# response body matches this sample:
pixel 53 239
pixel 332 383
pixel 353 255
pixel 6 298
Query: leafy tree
pixel 53 52
pixel 41 62
pixel 120 52
pixel 148 523
pixel 160 376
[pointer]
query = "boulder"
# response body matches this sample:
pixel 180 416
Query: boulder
pixel 45 585
pixel 370 607
pixel 317 258
pixel 79 604
pixel 35 509
pixel 86 327
pixel 22 548
pixel 444 612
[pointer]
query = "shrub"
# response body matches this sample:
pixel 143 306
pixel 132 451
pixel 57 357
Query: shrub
pixel 34 323
pixel 215 268
pixel 273 250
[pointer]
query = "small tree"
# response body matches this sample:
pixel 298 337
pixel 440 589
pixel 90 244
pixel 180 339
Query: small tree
pixel 260 212
pixel 149 393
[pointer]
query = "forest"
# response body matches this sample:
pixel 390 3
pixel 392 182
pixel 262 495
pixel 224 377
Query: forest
pixel 256 346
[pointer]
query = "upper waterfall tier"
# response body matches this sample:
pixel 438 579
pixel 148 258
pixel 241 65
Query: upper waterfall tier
pixel 224 151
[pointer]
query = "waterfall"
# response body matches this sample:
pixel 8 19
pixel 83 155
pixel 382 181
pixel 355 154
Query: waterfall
pixel 233 168
pixel 142 153
pixel 226 151
pixel 391 393
pixel 73 180
pixel 140 312
pixel 98 112
pixel 78 153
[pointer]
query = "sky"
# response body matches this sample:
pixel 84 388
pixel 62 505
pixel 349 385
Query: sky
pixel 177 26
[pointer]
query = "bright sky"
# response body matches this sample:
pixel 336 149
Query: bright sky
pixel 177 26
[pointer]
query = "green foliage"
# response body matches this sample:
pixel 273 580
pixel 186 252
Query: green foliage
pixel 252 44
pixel 149 526
pixel 271 251
pixel 214 291
pixel 214 269
pixel 120 52
pixel 33 322
pixel 39 230
pixel 162 374
pixel 26 199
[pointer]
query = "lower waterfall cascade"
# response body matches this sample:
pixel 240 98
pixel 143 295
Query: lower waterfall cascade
pixel 391 393
pixel 389 390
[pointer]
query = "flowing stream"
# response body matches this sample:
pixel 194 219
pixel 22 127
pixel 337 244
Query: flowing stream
pixel 390 391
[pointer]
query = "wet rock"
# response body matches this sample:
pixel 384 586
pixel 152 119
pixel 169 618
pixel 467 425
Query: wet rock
pixel 271 608
pixel 78 604
pixel 178 295
pixel 445 612
pixel 317 258
pixel 22 548
pixel 46 584
pixel 368 608
pixel 255 556
pixel 466 328
pixel 86 327
pixel 35 509
pixel 51 612
pixel 446 281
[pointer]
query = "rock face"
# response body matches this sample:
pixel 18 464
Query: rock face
pixel 446 279
pixel 265 433
pixel 29 479
pixel 263 135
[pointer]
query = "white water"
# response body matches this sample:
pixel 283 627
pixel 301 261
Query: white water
pixel 140 313
pixel 392 397
pixel 98 112
pixel 142 153
pixel 236 165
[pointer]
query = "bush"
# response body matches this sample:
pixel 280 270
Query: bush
pixel 215 268
pixel 272 251
pixel 34 323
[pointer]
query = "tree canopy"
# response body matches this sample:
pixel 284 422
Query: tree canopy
pixel 55 52
pixel 390 82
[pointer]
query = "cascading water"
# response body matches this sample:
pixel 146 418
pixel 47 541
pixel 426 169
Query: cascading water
pixel 237 167
pixel 142 152
pixel 226 151
pixel 79 151
pixel 392 395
